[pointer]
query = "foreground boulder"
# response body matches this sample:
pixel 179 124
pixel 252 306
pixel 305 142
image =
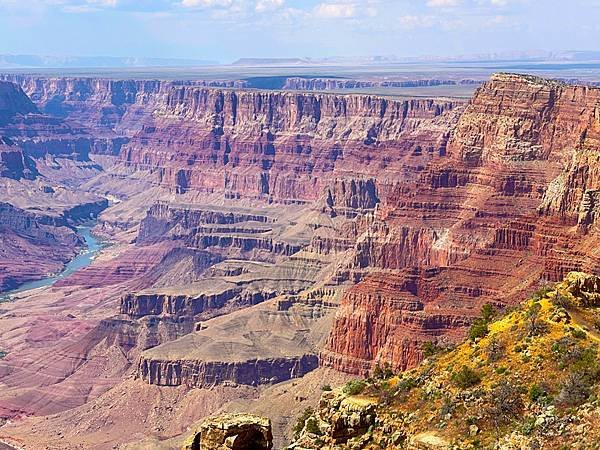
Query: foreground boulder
pixel 232 431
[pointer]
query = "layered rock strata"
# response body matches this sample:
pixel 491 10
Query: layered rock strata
pixel 32 245
pixel 431 207
pixel 14 164
pixel 282 147
pixel 485 223
pixel 332 84
pixel 268 346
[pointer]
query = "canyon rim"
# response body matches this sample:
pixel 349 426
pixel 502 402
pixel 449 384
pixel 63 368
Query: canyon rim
pixel 291 252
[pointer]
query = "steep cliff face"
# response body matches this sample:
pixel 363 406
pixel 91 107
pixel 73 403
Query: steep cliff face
pixel 32 245
pixel 281 146
pixel 328 84
pixel 172 304
pixel 198 374
pixel 13 101
pixel 39 135
pixel 351 197
pixel 523 118
pixel 241 232
pixel 268 346
pixel 163 221
pixel 486 388
pixel 104 105
pixel 485 222
pixel 14 163
pixel 100 104
pixel 574 194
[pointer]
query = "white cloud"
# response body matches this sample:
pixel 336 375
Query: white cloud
pixel 335 10
pixel 442 3
pixel 268 5
pixel 111 3
pixel 207 3
pixel 416 21
pixel 495 3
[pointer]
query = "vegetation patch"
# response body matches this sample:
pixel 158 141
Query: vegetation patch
pixel 518 380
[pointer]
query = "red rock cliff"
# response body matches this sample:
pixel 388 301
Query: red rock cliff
pixel 282 146
pixel 485 222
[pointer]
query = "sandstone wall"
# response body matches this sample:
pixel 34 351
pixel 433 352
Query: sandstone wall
pixel 205 373
pixel 280 146
pixel 486 223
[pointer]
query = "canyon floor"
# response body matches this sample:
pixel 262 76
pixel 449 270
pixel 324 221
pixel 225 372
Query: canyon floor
pixel 261 244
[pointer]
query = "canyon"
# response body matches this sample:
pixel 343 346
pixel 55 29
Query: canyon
pixel 263 243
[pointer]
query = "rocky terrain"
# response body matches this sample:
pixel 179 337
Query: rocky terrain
pixel 37 212
pixel 528 379
pixel 236 431
pixel 330 84
pixel 265 243
pixel 509 205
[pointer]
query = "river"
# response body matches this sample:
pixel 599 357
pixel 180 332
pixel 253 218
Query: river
pixel 83 259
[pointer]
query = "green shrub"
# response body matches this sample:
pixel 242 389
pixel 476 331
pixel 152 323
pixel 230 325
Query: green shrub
pixel 480 327
pixel 386 394
pixel 535 327
pixel 383 373
pixel 487 312
pixel 326 388
pixel 448 407
pixel 299 426
pixel 541 293
pixel 501 370
pixel 561 301
pixel 528 426
pixel 570 353
pixel 354 387
pixel 538 392
pixel 578 334
pixel 478 330
pixel 429 349
pixel 312 426
pixel 406 384
pixel 466 378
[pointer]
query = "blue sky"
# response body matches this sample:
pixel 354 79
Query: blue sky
pixel 225 30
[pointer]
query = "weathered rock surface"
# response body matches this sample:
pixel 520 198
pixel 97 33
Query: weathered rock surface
pixel 13 101
pixel 232 432
pixel 328 84
pixel 280 146
pixel 14 163
pixel 32 245
pixel 426 408
pixel 485 223
pixel 431 207
pixel 113 108
pixel 268 346
pixel 235 230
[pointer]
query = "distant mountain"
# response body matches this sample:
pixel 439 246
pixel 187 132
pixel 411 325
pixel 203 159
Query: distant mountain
pixel 524 56
pixel 57 62
pixel 271 62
